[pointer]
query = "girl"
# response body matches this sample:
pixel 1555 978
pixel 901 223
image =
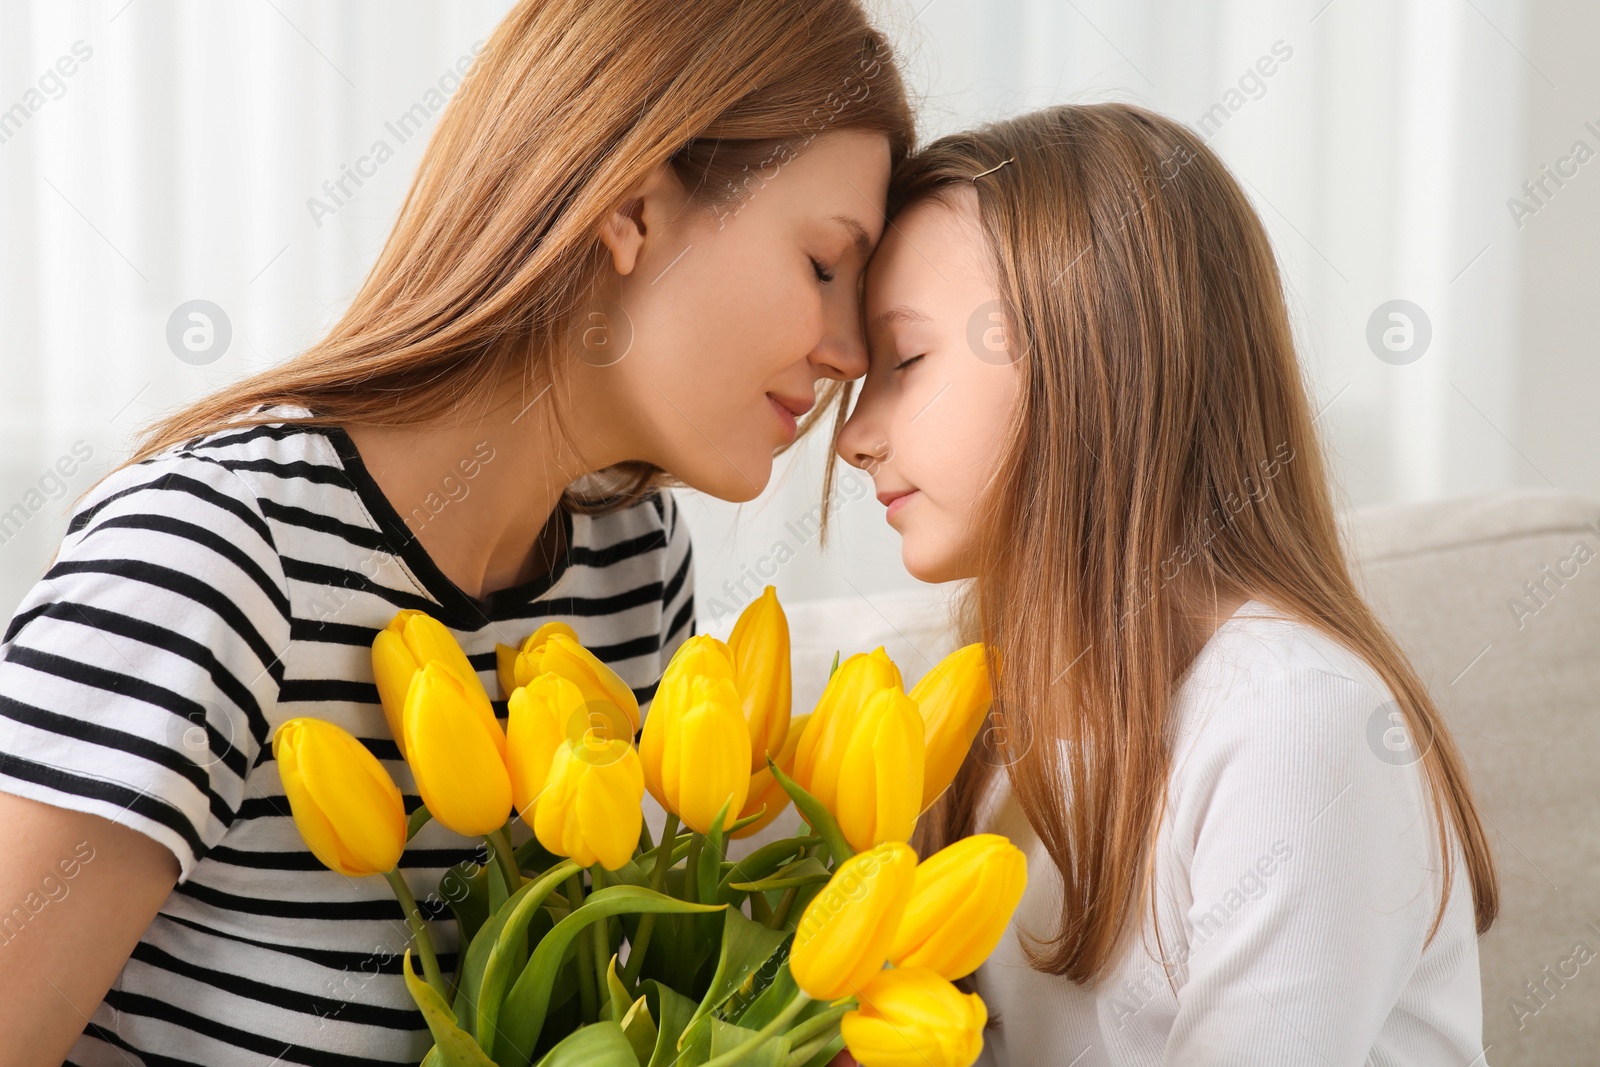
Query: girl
pixel 1250 836
pixel 632 250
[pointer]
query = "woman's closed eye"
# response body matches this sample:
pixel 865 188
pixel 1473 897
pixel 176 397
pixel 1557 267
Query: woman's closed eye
pixel 823 273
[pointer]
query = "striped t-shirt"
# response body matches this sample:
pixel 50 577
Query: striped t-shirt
pixel 199 599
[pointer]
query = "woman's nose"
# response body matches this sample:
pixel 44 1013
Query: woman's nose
pixel 842 352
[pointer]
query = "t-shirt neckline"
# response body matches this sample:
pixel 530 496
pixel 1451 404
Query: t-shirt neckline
pixel 403 543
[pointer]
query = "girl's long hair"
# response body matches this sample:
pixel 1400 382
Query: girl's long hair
pixel 568 106
pixel 1162 452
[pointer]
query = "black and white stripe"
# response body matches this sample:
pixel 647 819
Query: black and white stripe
pixel 199 599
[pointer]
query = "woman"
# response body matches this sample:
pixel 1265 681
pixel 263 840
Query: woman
pixel 1251 838
pixel 632 250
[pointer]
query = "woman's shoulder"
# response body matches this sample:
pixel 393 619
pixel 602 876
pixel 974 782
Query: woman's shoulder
pixel 654 520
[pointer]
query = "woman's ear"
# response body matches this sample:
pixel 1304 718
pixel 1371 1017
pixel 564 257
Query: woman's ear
pixel 626 228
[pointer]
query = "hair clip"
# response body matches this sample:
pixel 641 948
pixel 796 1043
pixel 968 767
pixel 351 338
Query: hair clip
pixel 992 169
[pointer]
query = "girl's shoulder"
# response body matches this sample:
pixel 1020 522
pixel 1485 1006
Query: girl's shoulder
pixel 1260 648
pixel 1268 685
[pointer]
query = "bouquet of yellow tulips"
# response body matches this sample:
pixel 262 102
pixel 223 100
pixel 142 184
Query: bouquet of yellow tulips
pixel 593 944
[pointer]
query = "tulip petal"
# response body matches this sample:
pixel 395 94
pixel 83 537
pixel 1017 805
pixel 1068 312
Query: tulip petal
pixel 459 766
pixel 844 934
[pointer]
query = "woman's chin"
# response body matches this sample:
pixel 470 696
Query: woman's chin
pixel 735 477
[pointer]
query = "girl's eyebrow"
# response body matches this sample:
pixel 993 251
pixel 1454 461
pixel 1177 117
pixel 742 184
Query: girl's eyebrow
pixel 901 314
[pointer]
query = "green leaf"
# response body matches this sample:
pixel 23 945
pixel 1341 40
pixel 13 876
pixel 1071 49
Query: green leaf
pixel 640 1029
pixel 532 856
pixel 803 896
pixel 746 945
pixel 673 1011
pixel 807 871
pixel 523 1012
pixel 835 664
pixel 770 1001
pixel 710 858
pixel 616 993
pixel 453 1046
pixel 509 952
pixel 822 1051
pixel 762 863
pixel 712 1036
pixel 600 1044
pixel 419 818
pixel 773 1053
pixel 817 817
pixel 499 891
pixel 740 824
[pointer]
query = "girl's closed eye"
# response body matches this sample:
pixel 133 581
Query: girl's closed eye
pixel 904 363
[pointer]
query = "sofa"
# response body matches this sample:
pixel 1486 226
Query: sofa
pixel 1496 597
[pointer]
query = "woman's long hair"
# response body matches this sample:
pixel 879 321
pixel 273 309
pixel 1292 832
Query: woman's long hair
pixel 569 105
pixel 1162 452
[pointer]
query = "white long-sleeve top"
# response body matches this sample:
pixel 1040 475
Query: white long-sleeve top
pixel 1296 878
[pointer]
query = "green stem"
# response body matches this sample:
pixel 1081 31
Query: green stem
pixel 761 909
pixel 419 931
pixel 785 905
pixel 585 961
pixel 691 893
pixel 782 1019
pixel 823 1024
pixel 786 902
pixel 647 921
pixel 601 941
pixel 804 1054
pixel 506 856
pixel 645 843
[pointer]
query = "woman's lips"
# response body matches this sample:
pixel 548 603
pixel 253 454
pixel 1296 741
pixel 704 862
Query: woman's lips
pixel 785 416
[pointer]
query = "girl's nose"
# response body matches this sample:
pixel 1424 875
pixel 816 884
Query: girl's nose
pixel 860 443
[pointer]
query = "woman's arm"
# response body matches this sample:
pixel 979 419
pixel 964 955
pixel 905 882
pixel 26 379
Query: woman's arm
pixel 77 891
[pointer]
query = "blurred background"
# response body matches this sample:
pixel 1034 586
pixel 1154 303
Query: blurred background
pixel 1423 168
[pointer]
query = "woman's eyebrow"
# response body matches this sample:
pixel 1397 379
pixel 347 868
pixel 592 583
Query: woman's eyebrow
pixel 858 233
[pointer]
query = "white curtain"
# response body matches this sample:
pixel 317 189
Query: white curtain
pixel 159 152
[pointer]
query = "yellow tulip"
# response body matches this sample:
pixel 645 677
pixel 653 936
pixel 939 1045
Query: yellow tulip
pixel 400 650
pixel 505 656
pixel 954 699
pixel 843 936
pixel 549 649
pixel 541 714
pixel 700 657
pixel 590 808
pixel 458 760
pixel 961 903
pixel 816 761
pixel 911 1017
pixel 695 750
pixel 880 772
pixel 760 646
pixel 764 788
pixel 345 804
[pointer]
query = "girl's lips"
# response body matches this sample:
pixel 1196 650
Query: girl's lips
pixel 785 416
pixel 896 504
